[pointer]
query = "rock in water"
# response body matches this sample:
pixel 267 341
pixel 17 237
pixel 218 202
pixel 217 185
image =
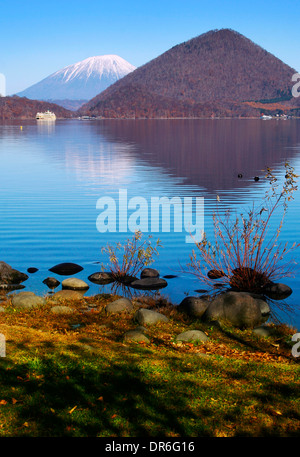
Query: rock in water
pixel 277 291
pixel 74 284
pixel 9 275
pixel 52 283
pixel 215 274
pixel 149 284
pixel 149 273
pixel 101 277
pixel 65 269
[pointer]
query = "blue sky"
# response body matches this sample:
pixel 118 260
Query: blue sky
pixel 40 37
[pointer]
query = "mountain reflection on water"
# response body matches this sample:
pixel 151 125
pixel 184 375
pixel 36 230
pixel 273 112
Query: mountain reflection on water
pixel 53 175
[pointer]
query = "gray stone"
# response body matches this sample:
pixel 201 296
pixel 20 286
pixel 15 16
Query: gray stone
pixel 239 309
pixel 136 336
pixel 149 317
pixel 192 335
pixel 277 291
pixel 101 277
pixel 27 300
pixel 67 294
pixel 193 306
pixel 149 273
pixel 74 284
pixel 149 284
pixel 61 309
pixel 119 306
pixel 9 275
pixel 2 310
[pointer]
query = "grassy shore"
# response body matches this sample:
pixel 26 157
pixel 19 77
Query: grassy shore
pixel 73 375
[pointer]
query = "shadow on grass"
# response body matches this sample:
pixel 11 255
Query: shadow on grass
pixel 130 393
pixel 91 396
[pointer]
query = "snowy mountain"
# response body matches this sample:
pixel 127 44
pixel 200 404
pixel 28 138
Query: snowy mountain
pixel 80 81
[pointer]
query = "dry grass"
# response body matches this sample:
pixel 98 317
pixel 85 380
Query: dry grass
pixel 73 375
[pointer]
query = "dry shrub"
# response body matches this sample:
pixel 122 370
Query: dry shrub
pixel 245 257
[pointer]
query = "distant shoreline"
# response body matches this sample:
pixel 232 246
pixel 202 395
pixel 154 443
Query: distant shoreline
pixel 150 119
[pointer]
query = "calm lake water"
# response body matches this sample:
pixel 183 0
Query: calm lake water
pixel 52 176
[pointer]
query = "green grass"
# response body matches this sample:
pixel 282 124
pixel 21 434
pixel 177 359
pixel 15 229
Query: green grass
pixel 86 382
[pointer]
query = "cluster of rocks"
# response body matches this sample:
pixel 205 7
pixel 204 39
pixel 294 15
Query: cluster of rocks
pixel 143 317
pixel 149 279
pixel 240 309
pixel 11 279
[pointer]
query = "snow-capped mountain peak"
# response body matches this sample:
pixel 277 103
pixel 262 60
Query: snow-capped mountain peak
pixel 82 80
pixel 108 65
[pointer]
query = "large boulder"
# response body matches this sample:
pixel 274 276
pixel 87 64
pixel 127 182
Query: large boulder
pixel 27 300
pixel 193 306
pixel 9 275
pixel 146 316
pixel 240 309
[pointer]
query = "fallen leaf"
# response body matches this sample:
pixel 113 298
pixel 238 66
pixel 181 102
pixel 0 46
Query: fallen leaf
pixel 113 416
pixel 100 398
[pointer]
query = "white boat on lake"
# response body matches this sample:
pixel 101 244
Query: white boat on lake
pixel 46 116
